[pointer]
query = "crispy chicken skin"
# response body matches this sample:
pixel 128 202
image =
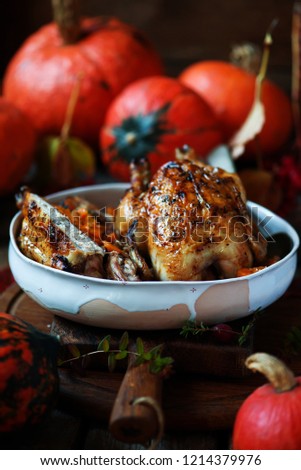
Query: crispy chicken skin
pixel 195 222
pixel 189 223
pixel 48 237
pixel 132 208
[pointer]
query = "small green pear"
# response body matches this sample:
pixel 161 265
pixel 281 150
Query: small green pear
pixel 63 163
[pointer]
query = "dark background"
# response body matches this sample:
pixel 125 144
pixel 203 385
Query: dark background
pixel 183 31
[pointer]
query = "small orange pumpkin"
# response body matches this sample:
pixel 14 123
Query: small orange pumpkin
pixel 270 417
pixel 229 90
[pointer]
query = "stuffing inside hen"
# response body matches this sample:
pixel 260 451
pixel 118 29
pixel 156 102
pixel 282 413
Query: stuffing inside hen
pixel 72 236
pixel 191 220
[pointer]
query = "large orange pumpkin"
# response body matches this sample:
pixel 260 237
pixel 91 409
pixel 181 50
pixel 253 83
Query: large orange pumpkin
pixel 229 90
pixel 152 117
pixel 17 145
pixel 107 56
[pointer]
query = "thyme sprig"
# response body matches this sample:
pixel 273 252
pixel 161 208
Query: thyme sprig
pixel 246 329
pixel 157 362
pixel 192 328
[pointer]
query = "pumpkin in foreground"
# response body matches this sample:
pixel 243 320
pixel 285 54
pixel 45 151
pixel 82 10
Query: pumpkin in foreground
pixel 28 373
pixel 150 118
pixel 270 418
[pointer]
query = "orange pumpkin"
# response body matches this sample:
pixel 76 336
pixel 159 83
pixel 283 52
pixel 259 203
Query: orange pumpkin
pixel 229 90
pixel 269 418
pixel 17 145
pixel 108 55
pixel 152 117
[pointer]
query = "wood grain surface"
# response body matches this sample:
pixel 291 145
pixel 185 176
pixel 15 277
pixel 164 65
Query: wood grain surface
pixel 192 402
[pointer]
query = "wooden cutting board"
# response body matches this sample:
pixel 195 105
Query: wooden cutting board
pixel 204 397
pixel 140 421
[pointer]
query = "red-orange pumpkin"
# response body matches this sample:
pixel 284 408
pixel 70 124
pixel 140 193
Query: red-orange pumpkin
pixel 152 117
pixel 17 145
pixel 270 418
pixel 28 373
pixel 108 55
pixel 229 90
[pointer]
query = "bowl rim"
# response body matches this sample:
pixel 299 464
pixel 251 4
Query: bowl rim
pixel 292 233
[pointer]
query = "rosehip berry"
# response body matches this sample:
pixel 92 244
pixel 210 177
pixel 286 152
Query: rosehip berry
pixel 223 333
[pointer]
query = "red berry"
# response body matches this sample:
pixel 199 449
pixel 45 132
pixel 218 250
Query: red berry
pixel 223 333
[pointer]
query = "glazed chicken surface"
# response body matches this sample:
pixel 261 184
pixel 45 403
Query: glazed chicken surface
pixel 188 223
pixel 191 220
pixel 72 237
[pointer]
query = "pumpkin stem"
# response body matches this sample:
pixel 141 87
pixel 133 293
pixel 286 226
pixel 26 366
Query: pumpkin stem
pixel 277 373
pixel 131 138
pixel 67 17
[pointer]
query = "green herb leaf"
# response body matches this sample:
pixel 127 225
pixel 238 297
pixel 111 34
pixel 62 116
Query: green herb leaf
pixel 159 363
pixel 74 350
pixel 104 344
pixel 246 330
pixel 139 346
pixel 111 362
pixel 192 328
pixel 198 329
pixel 124 341
pixel 156 350
pixel 121 355
pixel 147 356
pixel 153 356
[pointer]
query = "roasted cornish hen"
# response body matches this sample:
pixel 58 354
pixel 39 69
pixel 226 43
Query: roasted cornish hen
pixel 191 220
pixel 72 237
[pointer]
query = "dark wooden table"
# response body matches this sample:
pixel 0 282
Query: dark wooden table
pixel 199 409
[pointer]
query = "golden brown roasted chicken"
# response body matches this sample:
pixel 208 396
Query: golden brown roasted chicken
pixel 71 237
pixel 191 220
pixel 48 237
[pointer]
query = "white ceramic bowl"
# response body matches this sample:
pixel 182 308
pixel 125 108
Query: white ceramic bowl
pixel 154 305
